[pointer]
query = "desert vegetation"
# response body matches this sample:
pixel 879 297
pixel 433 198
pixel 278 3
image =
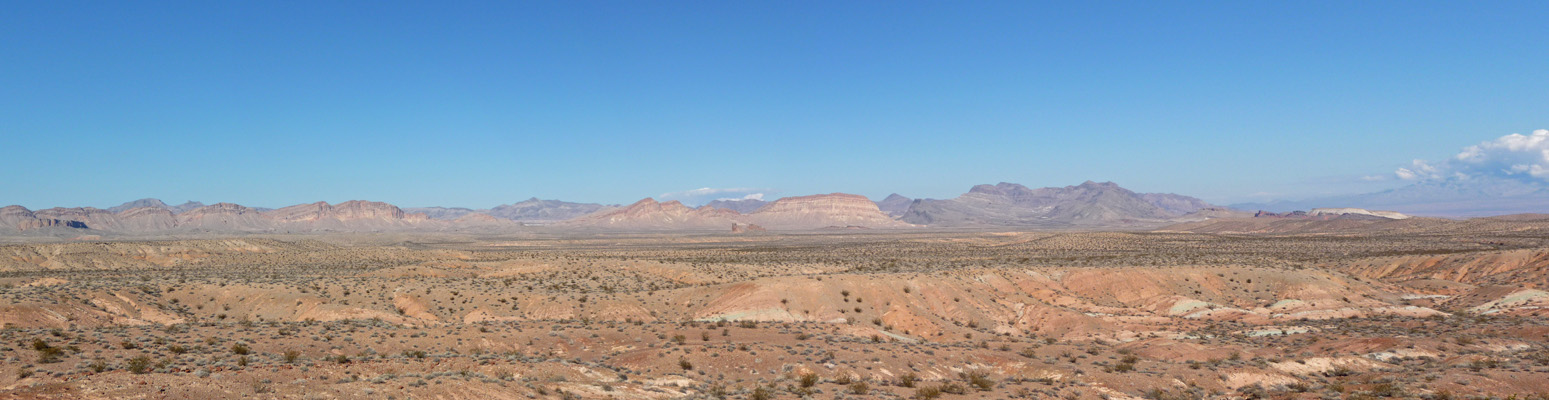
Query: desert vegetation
pixel 1077 315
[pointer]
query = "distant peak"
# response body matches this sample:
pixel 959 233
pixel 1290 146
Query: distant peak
pixel 145 202
pixel 644 201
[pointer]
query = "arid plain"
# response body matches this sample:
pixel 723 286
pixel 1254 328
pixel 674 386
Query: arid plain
pixel 1361 310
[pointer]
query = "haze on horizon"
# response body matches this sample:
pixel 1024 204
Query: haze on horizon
pixel 474 105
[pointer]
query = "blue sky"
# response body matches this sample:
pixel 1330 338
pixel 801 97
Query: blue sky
pixel 478 104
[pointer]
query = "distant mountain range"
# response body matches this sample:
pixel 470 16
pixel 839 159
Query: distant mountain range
pixel 1090 205
pixel 835 210
pixel 156 218
pixel 1472 197
pixel 743 206
pixel 154 203
pixel 530 210
pixel 895 205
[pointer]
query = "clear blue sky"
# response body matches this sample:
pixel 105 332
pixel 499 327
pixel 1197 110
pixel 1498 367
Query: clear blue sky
pixel 270 103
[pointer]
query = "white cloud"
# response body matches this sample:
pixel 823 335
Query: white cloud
pixel 705 195
pixel 1515 155
pixel 750 196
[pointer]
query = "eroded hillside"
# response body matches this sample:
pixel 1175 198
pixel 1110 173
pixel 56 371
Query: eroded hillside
pixel 901 314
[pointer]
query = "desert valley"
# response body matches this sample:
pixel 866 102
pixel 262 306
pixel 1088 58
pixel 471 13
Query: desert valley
pixel 754 200
pixel 1081 292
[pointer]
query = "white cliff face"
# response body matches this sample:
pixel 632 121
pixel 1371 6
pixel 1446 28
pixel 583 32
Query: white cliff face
pixel 1358 211
pixel 823 210
pixel 804 212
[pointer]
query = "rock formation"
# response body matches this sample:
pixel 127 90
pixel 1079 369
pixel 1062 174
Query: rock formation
pixel 790 213
pixel 745 228
pixel 649 214
pixel 895 205
pixel 1089 204
pixel 743 206
pixel 822 210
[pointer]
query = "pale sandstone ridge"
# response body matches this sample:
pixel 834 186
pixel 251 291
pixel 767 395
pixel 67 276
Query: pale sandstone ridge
pixel 355 215
pixel 822 210
pixel 147 219
pixel 790 213
pixel 226 218
pixel 1346 220
pixel 649 214
pixel 222 217
pixel 1356 211
pixel 89 216
pixel 20 219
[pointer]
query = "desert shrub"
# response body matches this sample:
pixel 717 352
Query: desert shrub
pixel 928 392
pixel 49 355
pixel 980 380
pixel 139 364
pixel 1387 389
pixel 908 380
pixel 859 388
pixel 291 356
pixel 808 379
pixel 761 393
